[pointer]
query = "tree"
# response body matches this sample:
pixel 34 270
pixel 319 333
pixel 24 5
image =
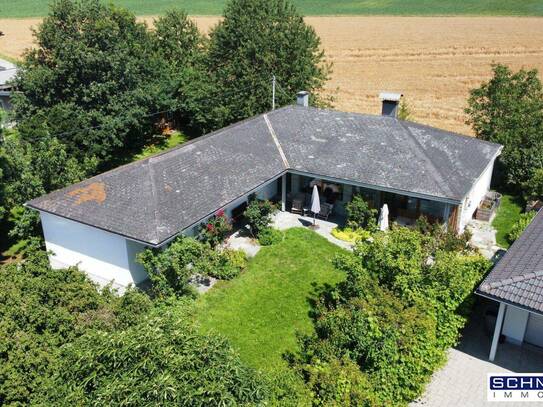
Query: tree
pixel 508 110
pixel 161 361
pixel 41 310
pixel 94 78
pixel 255 40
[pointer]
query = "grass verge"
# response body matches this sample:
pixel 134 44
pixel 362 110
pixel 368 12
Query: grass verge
pixel 508 214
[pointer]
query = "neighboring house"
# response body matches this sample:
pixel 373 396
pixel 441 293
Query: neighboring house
pixel 516 282
pixel 7 74
pixel 103 222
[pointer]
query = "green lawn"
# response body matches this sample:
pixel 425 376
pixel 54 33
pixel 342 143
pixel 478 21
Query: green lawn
pixel 36 8
pixel 162 144
pixel 261 310
pixel 508 214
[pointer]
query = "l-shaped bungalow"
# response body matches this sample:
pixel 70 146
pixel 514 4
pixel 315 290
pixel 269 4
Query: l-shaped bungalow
pixel 102 223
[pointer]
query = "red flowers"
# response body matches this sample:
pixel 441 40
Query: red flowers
pixel 210 227
pixel 220 213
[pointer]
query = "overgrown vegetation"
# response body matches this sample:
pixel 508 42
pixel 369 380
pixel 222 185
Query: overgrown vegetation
pixel 520 225
pixel 62 341
pixel 404 299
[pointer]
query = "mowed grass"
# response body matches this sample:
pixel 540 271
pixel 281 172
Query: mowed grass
pixel 37 8
pixel 508 214
pixel 261 310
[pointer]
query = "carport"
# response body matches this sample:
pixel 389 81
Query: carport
pixel 516 283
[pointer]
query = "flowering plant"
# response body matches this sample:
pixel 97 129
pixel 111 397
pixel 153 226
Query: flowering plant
pixel 216 229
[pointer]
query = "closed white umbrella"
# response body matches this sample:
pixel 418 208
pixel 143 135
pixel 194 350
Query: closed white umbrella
pixel 315 202
pixel 383 218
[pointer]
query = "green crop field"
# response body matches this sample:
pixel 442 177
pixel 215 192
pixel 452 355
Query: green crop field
pixel 37 8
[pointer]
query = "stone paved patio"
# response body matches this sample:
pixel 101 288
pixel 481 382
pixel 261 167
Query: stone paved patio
pixel 462 382
pixel 286 220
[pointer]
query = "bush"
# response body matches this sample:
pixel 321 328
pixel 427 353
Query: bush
pixel 161 361
pixel 215 230
pixel 520 225
pixel 401 306
pixel 258 214
pixel 41 310
pixel 359 214
pixel 237 258
pixel 533 188
pixel 170 269
pixel 270 236
pixel 350 235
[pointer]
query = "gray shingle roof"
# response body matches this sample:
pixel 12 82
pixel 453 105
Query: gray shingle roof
pixel 518 277
pixel 153 199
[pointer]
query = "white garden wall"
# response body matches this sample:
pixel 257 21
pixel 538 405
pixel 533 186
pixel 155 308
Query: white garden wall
pixel 105 257
pixel 476 195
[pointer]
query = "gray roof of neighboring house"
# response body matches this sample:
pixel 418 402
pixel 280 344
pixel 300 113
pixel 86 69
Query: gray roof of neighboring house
pixel 154 199
pixel 517 278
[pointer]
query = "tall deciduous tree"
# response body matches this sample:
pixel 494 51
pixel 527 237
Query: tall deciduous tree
pixel 508 109
pixel 258 39
pixel 95 76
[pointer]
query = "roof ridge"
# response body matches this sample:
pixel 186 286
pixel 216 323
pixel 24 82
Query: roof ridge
pixel 150 172
pixel 436 174
pixel 276 141
pixel 512 280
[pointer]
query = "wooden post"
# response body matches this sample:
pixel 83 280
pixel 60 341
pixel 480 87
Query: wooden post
pixel 497 332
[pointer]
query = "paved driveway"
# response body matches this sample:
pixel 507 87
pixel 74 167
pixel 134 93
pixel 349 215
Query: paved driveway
pixel 462 382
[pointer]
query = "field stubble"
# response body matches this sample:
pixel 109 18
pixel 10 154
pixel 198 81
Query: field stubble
pixel 433 61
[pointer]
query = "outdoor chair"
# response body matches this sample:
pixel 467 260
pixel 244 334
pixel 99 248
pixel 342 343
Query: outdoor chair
pixel 326 210
pixel 297 206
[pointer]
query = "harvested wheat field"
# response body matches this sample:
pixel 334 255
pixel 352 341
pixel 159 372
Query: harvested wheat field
pixel 434 61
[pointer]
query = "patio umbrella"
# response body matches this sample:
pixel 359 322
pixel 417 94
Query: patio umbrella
pixel 383 218
pixel 315 202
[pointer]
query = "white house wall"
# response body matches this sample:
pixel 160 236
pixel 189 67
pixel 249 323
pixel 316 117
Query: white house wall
pixel 105 257
pixel 476 195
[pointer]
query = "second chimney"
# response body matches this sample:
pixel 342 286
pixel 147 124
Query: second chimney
pixel 302 98
pixel 391 103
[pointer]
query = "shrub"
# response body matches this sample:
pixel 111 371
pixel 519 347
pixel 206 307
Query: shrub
pixel 215 230
pixel 359 214
pixel 533 188
pixel 338 382
pixel 162 360
pixel 237 258
pixel 520 225
pixel 258 214
pixel 270 236
pixel 170 269
pixel 396 312
pixel 350 235
pixel 41 310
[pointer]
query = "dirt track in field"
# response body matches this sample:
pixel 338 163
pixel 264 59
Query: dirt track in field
pixel 434 61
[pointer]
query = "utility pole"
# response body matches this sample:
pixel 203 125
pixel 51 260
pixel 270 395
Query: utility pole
pixel 273 92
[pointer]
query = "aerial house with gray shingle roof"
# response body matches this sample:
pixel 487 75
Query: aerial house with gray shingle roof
pixel 516 282
pixel 103 222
